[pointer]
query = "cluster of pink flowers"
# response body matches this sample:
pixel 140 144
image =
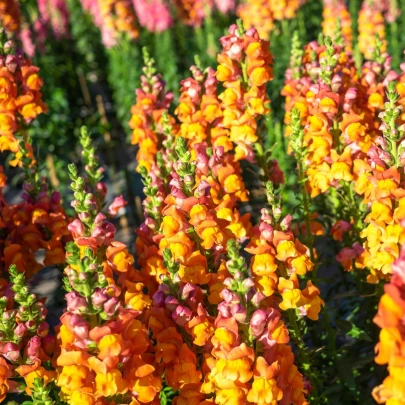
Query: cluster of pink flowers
pixel 54 15
pixel 52 18
pixel 154 15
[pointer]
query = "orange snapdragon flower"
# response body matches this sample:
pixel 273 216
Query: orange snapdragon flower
pixel 261 14
pixel 152 101
pixel 371 23
pixel 264 388
pixel 244 55
pixel 391 347
pixel 184 372
pixel 274 250
pixel 20 98
pixel 191 12
pixel 334 10
pixel 10 15
pixel 119 17
pixel 5 374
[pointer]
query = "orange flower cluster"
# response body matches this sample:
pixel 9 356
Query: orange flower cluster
pixel 277 250
pixel 257 13
pixel 335 129
pixel 202 119
pixel 285 9
pixel 10 15
pixel 391 347
pixel 213 218
pixel 371 23
pixel 194 239
pixel 118 17
pixel 118 366
pixel 199 110
pixel 227 118
pixel 379 182
pixel 105 348
pixel 233 365
pixel 212 227
pixel 208 119
pixel 38 223
pixel 339 111
pixel 245 66
pixel 344 148
pixel 28 347
pixel 179 317
pixel 192 12
pixel 262 14
pixel 337 21
pixel 147 115
pixel 192 223
pixel 183 252
pixel 20 96
pixel 233 362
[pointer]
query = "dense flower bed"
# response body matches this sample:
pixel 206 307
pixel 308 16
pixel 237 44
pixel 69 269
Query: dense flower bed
pixel 301 301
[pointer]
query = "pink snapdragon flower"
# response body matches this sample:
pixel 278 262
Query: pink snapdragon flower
pixel 154 15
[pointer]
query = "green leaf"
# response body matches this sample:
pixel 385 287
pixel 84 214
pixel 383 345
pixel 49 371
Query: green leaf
pixel 350 329
pixel 345 371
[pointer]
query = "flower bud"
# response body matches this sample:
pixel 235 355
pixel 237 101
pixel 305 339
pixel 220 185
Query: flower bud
pixel 33 347
pixel 30 324
pixel 257 298
pixel 79 325
pixel 117 205
pixel 11 63
pixel 20 330
pixel 98 298
pixel 84 216
pixel 43 329
pixel 159 298
pixel 76 228
pixel 258 322
pixel 112 306
pixel 238 312
pixel 248 283
pixel 48 344
pixel 9 46
pixel 181 315
pixel 188 289
pixel 11 351
pixel 98 220
pixel 75 302
pixel 171 302
pixel 229 297
pixel 56 198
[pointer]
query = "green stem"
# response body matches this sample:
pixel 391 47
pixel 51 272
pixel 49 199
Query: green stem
pixel 305 200
pixel 305 361
pixel 394 42
pixel 301 26
pixel 303 353
pixel 354 12
pixel 244 72
pixel 209 30
pixel 200 40
pixel 336 134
